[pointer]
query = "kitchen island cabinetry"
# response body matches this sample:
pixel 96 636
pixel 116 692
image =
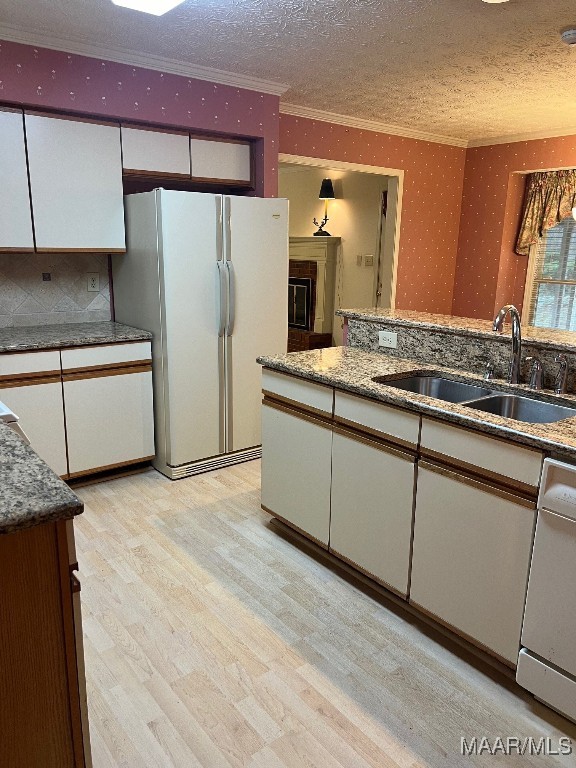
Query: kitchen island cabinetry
pixel 15 212
pixel 75 170
pixel 296 455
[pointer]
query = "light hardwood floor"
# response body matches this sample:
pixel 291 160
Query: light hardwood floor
pixel 213 642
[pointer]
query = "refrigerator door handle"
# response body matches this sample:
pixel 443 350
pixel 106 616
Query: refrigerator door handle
pixel 222 314
pixel 231 299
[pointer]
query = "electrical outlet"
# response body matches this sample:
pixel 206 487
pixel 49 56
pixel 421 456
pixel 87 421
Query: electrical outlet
pixel 93 279
pixel 387 339
pixel 369 260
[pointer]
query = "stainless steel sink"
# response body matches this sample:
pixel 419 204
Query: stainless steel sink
pixel 523 409
pixel 436 386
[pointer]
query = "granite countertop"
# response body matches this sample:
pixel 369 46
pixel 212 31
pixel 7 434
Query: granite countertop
pixel 352 369
pixel 28 339
pixel 30 493
pixel 564 341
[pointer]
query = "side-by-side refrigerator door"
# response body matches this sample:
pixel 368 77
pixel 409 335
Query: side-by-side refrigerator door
pixel 256 250
pixel 190 234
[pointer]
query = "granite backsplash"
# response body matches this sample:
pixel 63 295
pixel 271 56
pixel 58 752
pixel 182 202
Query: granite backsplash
pixel 464 352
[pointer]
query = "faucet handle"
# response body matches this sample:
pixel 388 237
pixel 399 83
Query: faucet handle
pixel 562 375
pixel 535 372
pixel 489 370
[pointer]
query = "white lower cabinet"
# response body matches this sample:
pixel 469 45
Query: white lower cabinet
pixel 40 409
pixel 108 420
pixel 296 470
pixel 372 506
pixel 471 555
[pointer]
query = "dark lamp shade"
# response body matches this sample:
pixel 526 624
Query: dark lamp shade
pixel 326 190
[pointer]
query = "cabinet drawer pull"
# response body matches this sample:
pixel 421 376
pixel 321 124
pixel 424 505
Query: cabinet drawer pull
pixel 373 442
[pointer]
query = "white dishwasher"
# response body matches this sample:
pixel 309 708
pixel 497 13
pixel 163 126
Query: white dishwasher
pixel 547 662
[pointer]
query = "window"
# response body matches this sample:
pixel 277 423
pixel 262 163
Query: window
pixel 550 297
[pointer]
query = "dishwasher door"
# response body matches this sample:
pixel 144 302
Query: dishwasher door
pixel 547 663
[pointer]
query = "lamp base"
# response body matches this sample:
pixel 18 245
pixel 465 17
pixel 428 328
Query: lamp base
pixel 321 233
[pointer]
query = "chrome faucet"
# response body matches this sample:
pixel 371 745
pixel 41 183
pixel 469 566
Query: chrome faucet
pixel 562 375
pixel 514 370
pixel 536 372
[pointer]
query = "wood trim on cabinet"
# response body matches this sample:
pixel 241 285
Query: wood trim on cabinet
pixel 141 174
pixel 225 182
pixel 319 417
pixel 373 442
pixel 356 426
pixel 296 404
pixel 99 372
pixel 108 366
pixel 11 109
pixel 371 576
pixel 29 379
pixel 463 635
pixel 119 342
pixel 66 587
pixel 295 528
pixel 223 139
pixel 16 250
pixel 107 467
pixel 493 479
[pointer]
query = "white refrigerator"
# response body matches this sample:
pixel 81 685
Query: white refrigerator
pixel 207 275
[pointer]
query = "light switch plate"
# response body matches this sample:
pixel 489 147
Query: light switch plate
pixel 387 339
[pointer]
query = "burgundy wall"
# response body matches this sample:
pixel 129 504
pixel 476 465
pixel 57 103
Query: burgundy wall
pixel 488 272
pixel 431 202
pixel 47 79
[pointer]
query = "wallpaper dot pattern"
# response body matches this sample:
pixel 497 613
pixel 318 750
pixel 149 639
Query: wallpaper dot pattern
pixel 43 78
pixel 431 200
pixel 489 273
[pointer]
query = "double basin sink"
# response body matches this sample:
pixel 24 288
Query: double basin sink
pixel 516 407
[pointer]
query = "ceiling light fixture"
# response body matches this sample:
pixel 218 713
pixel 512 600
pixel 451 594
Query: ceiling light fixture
pixel 155 7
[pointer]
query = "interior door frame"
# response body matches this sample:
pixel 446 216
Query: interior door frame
pixel 389 255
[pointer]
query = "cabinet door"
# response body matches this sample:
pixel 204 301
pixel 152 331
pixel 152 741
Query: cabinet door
pixel 15 213
pixel 222 160
pixel 471 557
pixel 76 184
pixel 155 152
pixel 40 409
pixel 372 505
pixel 296 458
pixel 108 420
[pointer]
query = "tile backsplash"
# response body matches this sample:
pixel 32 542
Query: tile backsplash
pixel 26 298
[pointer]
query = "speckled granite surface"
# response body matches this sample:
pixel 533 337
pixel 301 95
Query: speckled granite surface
pixel 352 370
pixel 462 326
pixel 30 493
pixel 31 338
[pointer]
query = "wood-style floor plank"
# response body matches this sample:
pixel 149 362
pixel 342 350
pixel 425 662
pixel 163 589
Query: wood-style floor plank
pixel 213 642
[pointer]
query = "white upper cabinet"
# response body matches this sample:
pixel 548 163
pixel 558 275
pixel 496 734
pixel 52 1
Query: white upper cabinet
pixel 15 215
pixel 222 160
pixel 155 152
pixel 76 184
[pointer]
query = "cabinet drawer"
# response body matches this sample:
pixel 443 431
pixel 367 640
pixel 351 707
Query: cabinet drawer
pixel 378 418
pixel 155 152
pixel 471 451
pixel 28 364
pixel 108 355
pixel 295 391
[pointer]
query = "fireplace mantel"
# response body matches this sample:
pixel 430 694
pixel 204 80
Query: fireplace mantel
pixel 324 251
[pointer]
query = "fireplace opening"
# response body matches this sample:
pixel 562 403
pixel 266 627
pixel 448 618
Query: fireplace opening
pixel 299 301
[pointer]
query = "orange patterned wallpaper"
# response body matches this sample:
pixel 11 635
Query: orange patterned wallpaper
pixel 431 202
pixel 488 272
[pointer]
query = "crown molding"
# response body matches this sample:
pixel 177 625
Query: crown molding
pixel 369 125
pixel 145 60
pixel 516 137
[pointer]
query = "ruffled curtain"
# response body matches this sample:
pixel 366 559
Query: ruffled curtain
pixel 549 198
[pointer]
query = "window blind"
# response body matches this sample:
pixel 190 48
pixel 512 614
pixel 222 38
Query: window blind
pixel 551 290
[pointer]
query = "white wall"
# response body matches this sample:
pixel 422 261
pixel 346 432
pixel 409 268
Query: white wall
pixel 354 217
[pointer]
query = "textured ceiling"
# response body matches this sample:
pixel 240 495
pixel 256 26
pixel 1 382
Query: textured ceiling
pixel 461 68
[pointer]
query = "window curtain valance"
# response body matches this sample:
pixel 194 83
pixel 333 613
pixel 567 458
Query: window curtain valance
pixel 549 198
